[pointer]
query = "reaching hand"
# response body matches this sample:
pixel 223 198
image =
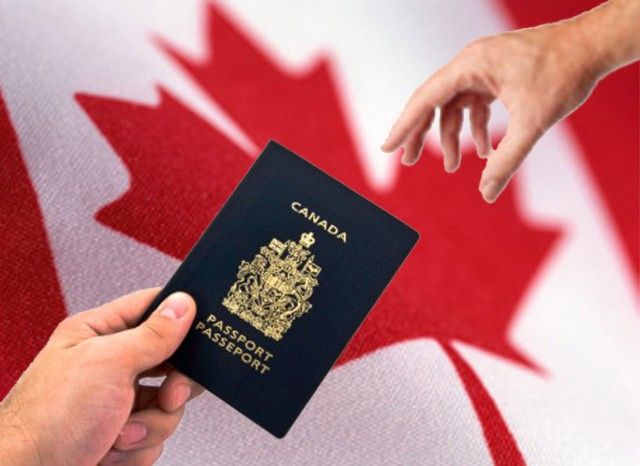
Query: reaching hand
pixel 80 401
pixel 540 75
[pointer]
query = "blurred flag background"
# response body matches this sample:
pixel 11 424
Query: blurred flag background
pixel 510 336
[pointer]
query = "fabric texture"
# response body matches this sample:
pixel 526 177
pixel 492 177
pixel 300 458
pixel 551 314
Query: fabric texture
pixel 510 335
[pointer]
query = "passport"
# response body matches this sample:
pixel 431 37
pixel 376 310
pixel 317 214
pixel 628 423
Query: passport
pixel 282 278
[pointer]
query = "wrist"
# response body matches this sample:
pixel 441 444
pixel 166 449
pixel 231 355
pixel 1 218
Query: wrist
pixel 608 34
pixel 18 446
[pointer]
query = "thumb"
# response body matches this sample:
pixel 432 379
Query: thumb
pixel 506 159
pixel 156 339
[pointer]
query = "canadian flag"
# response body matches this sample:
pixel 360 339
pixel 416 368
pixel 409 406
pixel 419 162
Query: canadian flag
pixel 512 333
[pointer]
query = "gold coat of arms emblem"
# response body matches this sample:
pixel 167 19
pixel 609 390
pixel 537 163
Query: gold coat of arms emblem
pixel 273 290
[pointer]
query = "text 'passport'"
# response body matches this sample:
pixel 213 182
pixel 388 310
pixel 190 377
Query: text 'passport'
pixel 282 278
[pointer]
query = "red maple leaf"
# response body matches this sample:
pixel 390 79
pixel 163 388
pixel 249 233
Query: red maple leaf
pixel 29 288
pixel 463 281
pixel 181 168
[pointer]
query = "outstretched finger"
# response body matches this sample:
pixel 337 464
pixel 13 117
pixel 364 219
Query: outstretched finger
pixel 451 117
pixel 434 92
pixel 415 142
pixel 115 316
pixel 147 428
pixel 479 113
pixel 176 390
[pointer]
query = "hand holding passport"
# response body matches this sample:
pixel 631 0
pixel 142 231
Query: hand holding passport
pixel 282 278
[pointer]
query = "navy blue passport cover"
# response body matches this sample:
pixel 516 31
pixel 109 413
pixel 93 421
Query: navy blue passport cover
pixel 282 277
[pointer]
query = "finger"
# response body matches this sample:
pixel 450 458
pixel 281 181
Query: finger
pixel 154 340
pixel 451 116
pixel 415 142
pixel 176 390
pixel 112 317
pixel 121 313
pixel 479 112
pixel 434 92
pixel 142 457
pixel 505 160
pixel 146 397
pixel 147 428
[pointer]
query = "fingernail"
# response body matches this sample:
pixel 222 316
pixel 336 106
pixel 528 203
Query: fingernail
pixel 489 190
pixel 450 168
pixel 133 432
pixel 406 161
pixel 175 306
pixel 182 395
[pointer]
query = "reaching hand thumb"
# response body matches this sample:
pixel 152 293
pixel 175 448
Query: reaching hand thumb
pixel 506 159
pixel 156 339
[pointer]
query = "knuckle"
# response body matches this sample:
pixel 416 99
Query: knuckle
pixel 152 330
pixel 67 324
pixel 167 425
pixel 66 330
pixel 462 101
pixel 459 77
pixel 402 126
pixel 478 47
pixel 473 48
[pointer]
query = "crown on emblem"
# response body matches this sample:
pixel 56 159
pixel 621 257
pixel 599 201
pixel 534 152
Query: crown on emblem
pixel 307 239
